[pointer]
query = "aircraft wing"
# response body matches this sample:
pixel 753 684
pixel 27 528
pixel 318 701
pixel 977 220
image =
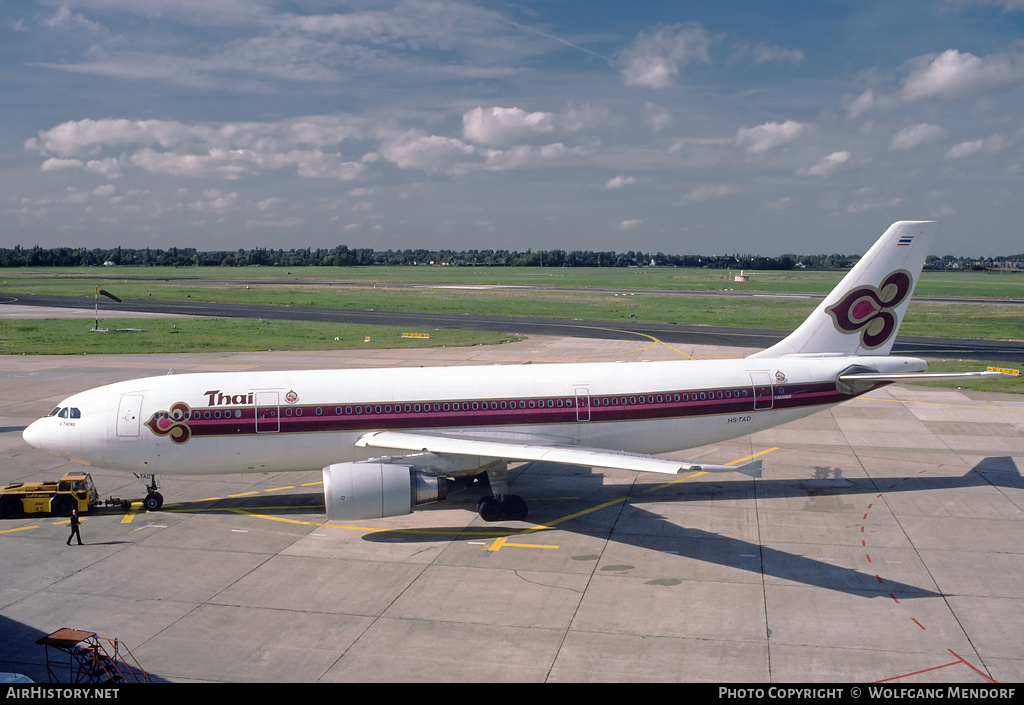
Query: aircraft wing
pixel 540 448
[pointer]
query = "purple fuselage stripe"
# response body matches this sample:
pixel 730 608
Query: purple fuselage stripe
pixel 286 418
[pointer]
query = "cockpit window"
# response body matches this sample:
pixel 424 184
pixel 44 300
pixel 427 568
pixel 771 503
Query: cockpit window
pixel 54 412
pixel 63 413
pixel 74 413
pixel 66 412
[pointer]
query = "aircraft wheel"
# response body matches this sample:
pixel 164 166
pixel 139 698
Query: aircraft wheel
pixel 489 509
pixel 153 502
pixel 511 507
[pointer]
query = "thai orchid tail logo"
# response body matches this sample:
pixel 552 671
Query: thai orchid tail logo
pixel 871 311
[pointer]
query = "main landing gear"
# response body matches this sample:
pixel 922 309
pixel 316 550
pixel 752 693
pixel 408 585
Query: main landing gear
pixel 501 505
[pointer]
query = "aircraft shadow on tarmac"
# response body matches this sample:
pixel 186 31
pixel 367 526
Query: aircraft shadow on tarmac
pixel 638 527
pixel 573 498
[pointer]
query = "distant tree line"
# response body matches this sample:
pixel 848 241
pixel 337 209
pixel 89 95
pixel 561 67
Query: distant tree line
pixel 343 256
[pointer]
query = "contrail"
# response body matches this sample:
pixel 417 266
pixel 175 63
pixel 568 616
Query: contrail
pixel 553 38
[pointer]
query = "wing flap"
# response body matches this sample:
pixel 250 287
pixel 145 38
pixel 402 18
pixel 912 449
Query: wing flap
pixel 542 451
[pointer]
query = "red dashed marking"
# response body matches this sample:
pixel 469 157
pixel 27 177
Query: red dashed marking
pixel 878 577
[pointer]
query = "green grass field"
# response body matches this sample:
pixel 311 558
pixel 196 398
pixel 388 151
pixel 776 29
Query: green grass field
pixel 53 336
pixel 83 280
pixel 625 296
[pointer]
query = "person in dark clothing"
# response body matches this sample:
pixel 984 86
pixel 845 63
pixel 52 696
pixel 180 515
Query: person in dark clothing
pixel 74 528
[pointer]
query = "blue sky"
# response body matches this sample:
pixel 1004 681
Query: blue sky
pixel 682 127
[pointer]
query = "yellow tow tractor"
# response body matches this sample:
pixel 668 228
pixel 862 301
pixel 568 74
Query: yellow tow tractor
pixel 75 490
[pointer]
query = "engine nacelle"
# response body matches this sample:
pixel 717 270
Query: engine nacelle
pixel 369 490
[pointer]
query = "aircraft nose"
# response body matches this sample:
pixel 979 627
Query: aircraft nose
pixel 33 434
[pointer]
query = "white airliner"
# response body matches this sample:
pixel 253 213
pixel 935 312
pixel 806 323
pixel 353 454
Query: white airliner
pixel 391 439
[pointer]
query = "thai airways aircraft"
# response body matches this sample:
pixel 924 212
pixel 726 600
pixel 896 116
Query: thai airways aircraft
pixel 389 440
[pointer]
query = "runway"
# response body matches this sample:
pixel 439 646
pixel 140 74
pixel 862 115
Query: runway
pixel 884 543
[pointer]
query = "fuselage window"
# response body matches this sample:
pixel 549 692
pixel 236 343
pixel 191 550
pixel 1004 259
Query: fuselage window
pixel 703 396
pixel 348 409
pixel 780 390
pixel 533 404
pixel 407 408
pixel 685 397
pixel 378 409
pixel 216 414
pixel 359 410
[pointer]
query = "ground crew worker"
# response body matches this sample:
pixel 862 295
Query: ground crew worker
pixel 74 528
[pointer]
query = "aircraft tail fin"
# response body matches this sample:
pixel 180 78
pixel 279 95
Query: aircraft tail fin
pixel 863 313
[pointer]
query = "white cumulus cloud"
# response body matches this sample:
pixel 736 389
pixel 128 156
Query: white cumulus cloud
pixel 915 135
pixel 769 135
pixel 499 126
pixel 826 166
pixel 708 193
pixel 952 74
pixel 655 59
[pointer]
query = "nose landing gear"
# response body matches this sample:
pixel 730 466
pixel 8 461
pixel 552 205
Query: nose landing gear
pixel 153 500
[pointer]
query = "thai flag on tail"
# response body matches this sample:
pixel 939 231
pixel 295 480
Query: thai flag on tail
pixel 905 240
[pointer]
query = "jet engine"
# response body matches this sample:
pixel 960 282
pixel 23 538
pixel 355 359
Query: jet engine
pixel 373 490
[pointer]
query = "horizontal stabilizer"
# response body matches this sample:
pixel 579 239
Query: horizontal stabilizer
pixel 916 376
